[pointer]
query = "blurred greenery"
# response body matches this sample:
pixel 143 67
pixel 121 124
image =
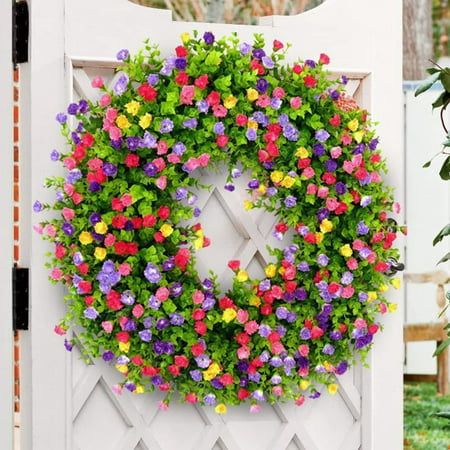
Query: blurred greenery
pixel 441 27
pixel 422 430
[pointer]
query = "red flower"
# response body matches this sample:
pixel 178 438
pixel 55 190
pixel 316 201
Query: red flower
pixel 290 286
pixel 191 398
pixel 197 349
pixel 181 51
pixel 281 227
pixel 137 222
pixel 241 120
pixel 123 336
pixel 89 300
pixel 117 205
pixel 335 121
pixel 303 163
pixel 226 302
pixel 361 173
pixel 263 156
pixel 182 78
pixel 202 81
pixel 243 394
pixel 147 92
pixel 256 65
pixel 132 248
pixel 87 140
pixel 149 371
pixel 272 150
pixel 316 332
pixel 310 238
pixel 226 379
pixel 182 257
pixel 341 209
pixel 79 152
pixel 277 45
pixel 381 266
pixel 234 264
pixel 213 98
pixel 158 237
pixel 119 221
pixel 137 360
pixel 113 300
pixel 222 140
pixel 174 370
pixel 200 327
pixel 273 337
pixel 198 314
pixel 242 338
pixel 324 59
pixel 131 160
pixel 329 178
pixel 266 310
pixel 297 68
pixel 163 212
pixel 85 286
pixel 310 81
pixel 181 361
pixel 342 328
pixel 83 268
pixel 149 220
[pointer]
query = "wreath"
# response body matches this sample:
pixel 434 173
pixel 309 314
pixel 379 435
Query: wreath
pixel 127 227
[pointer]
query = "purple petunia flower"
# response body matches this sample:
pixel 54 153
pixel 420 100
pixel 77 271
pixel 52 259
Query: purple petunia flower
pixel 152 274
pixel 258 395
pixel 208 37
pixel 310 63
pixel 54 155
pixel 72 109
pixel 258 53
pixel 330 165
pixel 219 128
pixel 209 399
pixel 110 169
pixel 166 126
pixel 245 48
pixel 150 169
pixel 162 323
pixel 318 150
pixel 148 322
pixel 290 201
pixel 196 375
pixel 180 63
pixel 322 135
pixel 373 144
pixel 90 313
pixel 190 123
pixel 281 312
pixel 202 106
pixel 262 85
pixel 340 188
pixel 67 228
pixel 362 228
pixel 37 206
pixel 148 141
pixel 176 319
pixel 347 278
pixel 153 79
pixel 61 118
pixel 153 302
pixel 108 356
pixel 250 134
pixel 179 148
pixel 366 200
pixel 127 298
pixel 323 260
pixel 305 334
pixel 121 84
pixel 328 349
pixel 267 62
pixel 290 132
pixel 123 54
pixel 303 266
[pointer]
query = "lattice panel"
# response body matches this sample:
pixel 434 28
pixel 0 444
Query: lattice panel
pixel 103 420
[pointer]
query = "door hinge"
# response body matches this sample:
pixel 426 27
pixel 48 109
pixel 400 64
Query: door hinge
pixel 20 298
pixel 20 28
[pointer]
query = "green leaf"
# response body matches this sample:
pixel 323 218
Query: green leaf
pixel 442 100
pixel 427 83
pixel 427 164
pixel 223 83
pixel 137 191
pixel 444 232
pixel 432 70
pixel 444 173
pixel 213 59
pixel 441 347
pixel 445 80
pixel 444 258
pixel 444 414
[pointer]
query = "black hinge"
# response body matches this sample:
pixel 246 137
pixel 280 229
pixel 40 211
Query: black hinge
pixel 20 28
pixel 20 298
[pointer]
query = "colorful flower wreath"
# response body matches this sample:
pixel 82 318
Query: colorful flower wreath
pixel 125 246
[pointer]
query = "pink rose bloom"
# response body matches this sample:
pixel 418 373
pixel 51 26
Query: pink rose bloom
pixel 126 199
pixel 347 292
pixel 60 251
pixel 159 163
pixel 110 239
pixel 124 268
pixel 117 389
pixel 161 182
pixel 173 158
pixel 107 326
pixel 311 189
pixel 38 228
pixel 308 172
pixel 68 213
pixel 162 147
pixel 95 163
pixel 192 164
pixel 303 349
pixel 114 133
pixel 59 330
pixel 346 139
pixel 255 408
pixel 348 166
pixel 296 102
pixel 70 163
pixel 97 82
pixel 277 348
pixel 360 323
pixel 322 192
pixel 122 322
pixel 278 92
pixel 357 160
pixel 243 352
pixel 352 264
pixel 358 244
pixel 77 198
pixel 331 204
pixel 203 159
pixel 396 207
pixel 198 297
pixel 187 94
pixel 111 114
pixel 56 273
pixel 277 390
pixel 375 177
pixel 220 111
pixel 372 258
pixel 300 400
pixel 162 294
pixel 50 230
pixel 383 308
pixel 163 406
pixel 242 316
pixel 303 372
pixel 105 100
pixel 263 101
pixel 138 310
pixel 251 327
pixel 191 398
pixel 335 152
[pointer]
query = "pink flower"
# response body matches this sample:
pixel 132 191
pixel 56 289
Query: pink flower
pixel 357 160
pixel 95 163
pixel 187 94
pixel 303 372
pixel 163 406
pixel 300 400
pixel 192 164
pixel 114 133
pixel 97 82
pixel 375 177
pixel 358 244
pixel 308 172
pixel 117 389
pixel 278 92
pixel 110 239
pixel 56 273
pixel 107 325
pixel 191 398
pixel 162 294
pixel 70 163
pixel 138 310
pixel 251 327
pixel 383 308
pixel 324 59
pixel 173 158
pixel 50 230
pixel 203 159
pixel 396 207
pixel 360 323
pixel 322 192
pixel 243 352
pixel 124 268
pixel 352 264
pixel 126 199
pixel 277 390
pixel 111 114
pixel 311 189
pixel 161 182
pixel 296 102
pixel 242 316
pixel 162 147
pixel 348 166
pixel 335 152
pixel 263 101
pixel 105 100
pixel 68 213
pixel 77 198
pixel 347 292
pixel 255 408
pixel 220 111
pixel 59 330
pixel 331 204
pixel 38 228
pixel 198 297
pixel 159 163
pixel 277 347
pixel 303 349
pixel 346 139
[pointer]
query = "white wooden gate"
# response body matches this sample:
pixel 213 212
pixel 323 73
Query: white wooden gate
pixel 71 404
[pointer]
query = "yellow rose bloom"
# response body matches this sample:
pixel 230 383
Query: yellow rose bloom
pixel 252 124
pixel 145 120
pixel 166 230
pixel 304 384
pixel 372 295
pixel 132 107
pixel 86 238
pixel 353 125
pixel 301 153
pixel 100 253
pixel 185 37
pixel 122 368
pixel 254 301
pixel 124 346
pixel 248 205
pixel 230 102
pixel 262 189
pixel 288 182
pixel 242 276
pixel 228 315
pixel 276 176
pixel 100 227
pixel 396 282
pixel 252 94
pixel 281 270
pixel 211 372
pixel 319 237
pixel 358 136
pixel 198 243
pixel 139 389
pixel 392 307
pixel 270 270
pixel 220 409
pixel 346 251
pixel 383 288
pixel 122 122
pixel 326 226
pixel 332 388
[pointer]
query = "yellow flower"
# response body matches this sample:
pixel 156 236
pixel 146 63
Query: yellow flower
pixel 124 346
pixel 198 243
pixel 185 37
pixel 132 107
pixel 358 136
pixel 211 372
pixel 220 409
pixel 122 122
pixel 288 182
pixel 242 276
pixel 383 288
pixel 332 388
pixel 396 282
pixel 392 307
pixel 301 153
pixel 270 270
pixel 100 227
pixel 319 237
pixel 139 389
pixel 371 296
pixel 248 205
pixel 262 189
pixel 276 176
pixel 122 368
pixel 326 226
pixel 353 125
pixel 255 301
pixel 327 366
pixel 228 315
pixel 252 94
pixel 166 230
pixel 252 124
pixel 304 384
pixel 100 253
pixel 230 102
pixel 281 270
pixel 346 250
pixel 86 238
pixel 145 120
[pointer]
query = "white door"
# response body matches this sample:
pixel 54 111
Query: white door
pixel 72 406
pixel 6 229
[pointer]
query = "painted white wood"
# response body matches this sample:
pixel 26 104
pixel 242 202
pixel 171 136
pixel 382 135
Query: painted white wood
pixel 6 229
pixel 67 399
pixel 427 211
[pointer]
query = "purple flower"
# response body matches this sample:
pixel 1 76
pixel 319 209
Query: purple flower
pixel 145 335
pixel 209 399
pixel 150 169
pixel 347 278
pixel 219 128
pixel 67 228
pixel 310 63
pixel 275 103
pixel 37 206
pixel 166 126
pixel 176 319
pixel 72 109
pixel 209 38
pixel 229 187
pixel 290 201
pixel 328 349
pixel 366 200
pixel 192 199
pixel 341 188
pixel 180 63
pixel 152 274
pixel 341 368
pixel 344 79
pixel 148 322
pixel 90 313
pixel 54 155
pixel 262 85
pixel 336 335
pixel 162 323
pixel 110 169
pixel 334 94
pixel 132 142
pixel 203 361
pixel 123 54
pixel 322 135
pixel 323 260
pixel 108 355
pixel 121 84
pixel 267 62
pixel 216 384
pixel 318 150
pixel 362 228
pixel 148 141
pixel 153 302
pixel 258 395
pixel 190 123
pixel 363 341
pixel 153 79
pixel 373 144
pixel 202 106
pixel 250 134
pixel 258 53
pixel 362 297
pixel 61 118
pixel 95 218
pixel 68 345
pixel 303 266
pixel 281 312
pixel 127 298
pixel 301 294
pixel 276 361
pixel 179 148
pixel 245 48
pixel 330 165
pixel 305 334
pixel 264 330
pixel 235 173
pixel 290 132
pixel 253 184
pixel 196 375
pixel 83 106
pixel 322 213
